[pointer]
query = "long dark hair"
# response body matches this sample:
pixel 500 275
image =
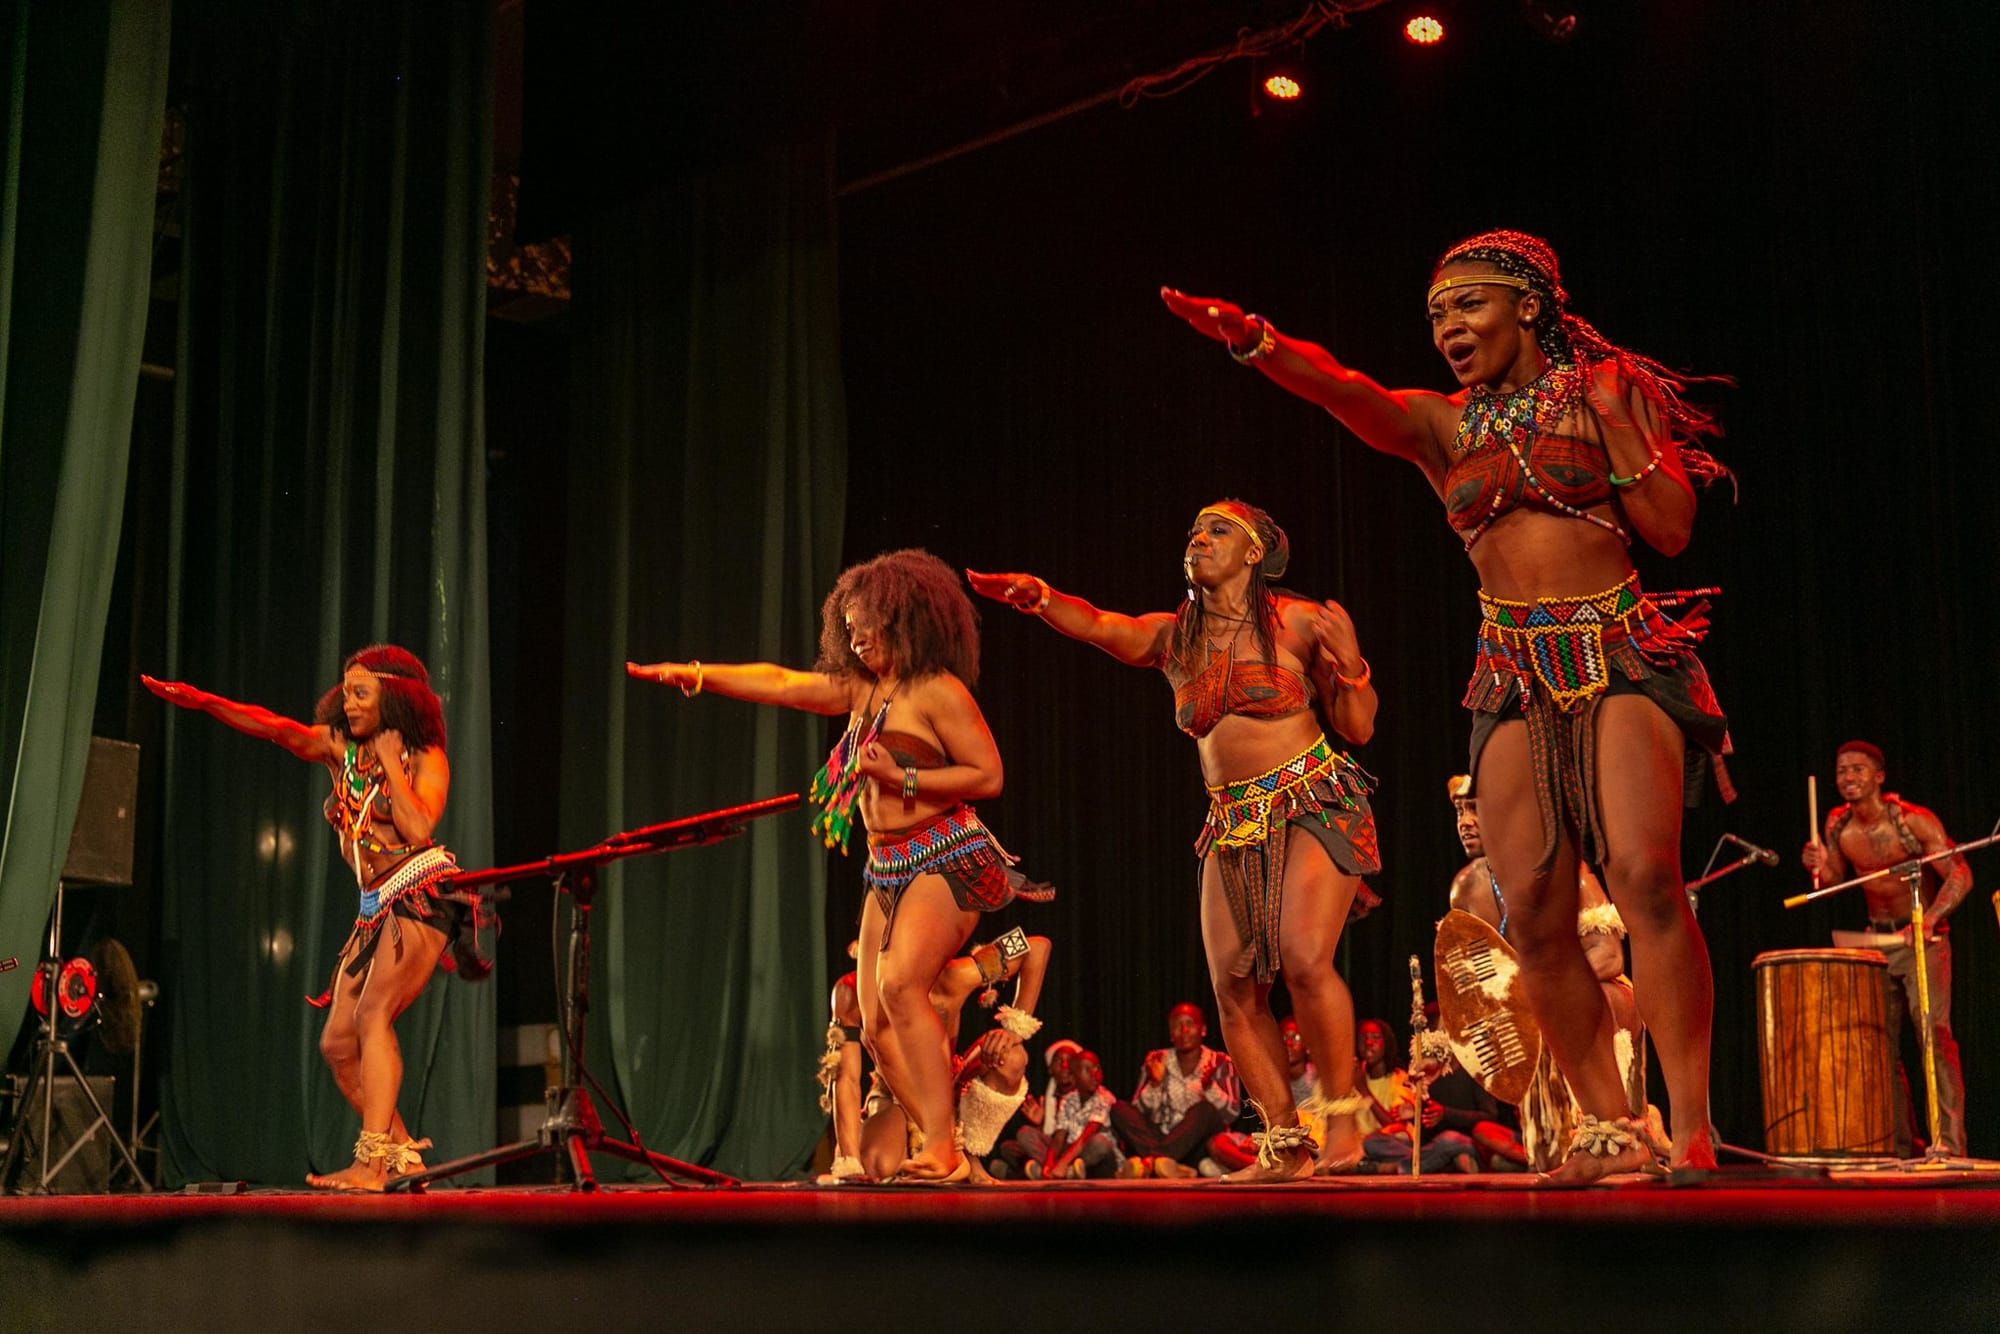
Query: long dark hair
pixel 1263 598
pixel 1572 339
pixel 930 624
pixel 409 705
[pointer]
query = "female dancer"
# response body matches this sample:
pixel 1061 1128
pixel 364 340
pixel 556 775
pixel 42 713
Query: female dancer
pixel 1289 833
pixel 1557 449
pixel 899 643
pixel 380 733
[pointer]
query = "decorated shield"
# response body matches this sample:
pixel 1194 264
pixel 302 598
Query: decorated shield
pixel 1482 1008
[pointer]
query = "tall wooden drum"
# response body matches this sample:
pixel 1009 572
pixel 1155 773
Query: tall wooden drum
pixel 1823 1036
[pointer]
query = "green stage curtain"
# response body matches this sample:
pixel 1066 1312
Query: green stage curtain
pixel 84 97
pixel 328 492
pixel 707 487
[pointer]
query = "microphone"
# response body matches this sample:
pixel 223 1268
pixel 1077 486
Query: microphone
pixel 1764 855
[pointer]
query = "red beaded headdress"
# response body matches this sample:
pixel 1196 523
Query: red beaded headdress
pixel 1570 338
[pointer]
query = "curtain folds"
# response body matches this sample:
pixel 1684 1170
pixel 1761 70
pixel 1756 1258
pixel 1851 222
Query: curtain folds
pixel 328 492
pixel 707 486
pixel 84 98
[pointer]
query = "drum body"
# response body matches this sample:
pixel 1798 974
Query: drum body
pixel 1825 1046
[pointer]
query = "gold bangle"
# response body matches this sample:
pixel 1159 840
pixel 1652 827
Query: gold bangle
pixel 1266 341
pixel 696 664
pixel 1354 682
pixel 1040 605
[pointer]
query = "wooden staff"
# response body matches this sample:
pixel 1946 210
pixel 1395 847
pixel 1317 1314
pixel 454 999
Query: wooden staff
pixel 1812 817
pixel 1419 1022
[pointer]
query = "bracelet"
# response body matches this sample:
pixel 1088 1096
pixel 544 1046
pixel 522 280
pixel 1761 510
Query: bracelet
pixel 1355 682
pixel 1266 342
pixel 909 782
pixel 1640 475
pixel 696 690
pixel 1040 604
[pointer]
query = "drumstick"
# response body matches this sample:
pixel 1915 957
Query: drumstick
pixel 1812 815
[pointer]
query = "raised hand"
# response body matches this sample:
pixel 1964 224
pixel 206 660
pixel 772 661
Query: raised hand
pixel 1334 630
pixel 173 692
pixel 1209 317
pixel 666 673
pixel 1016 590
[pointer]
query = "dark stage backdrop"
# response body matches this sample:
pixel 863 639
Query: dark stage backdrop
pixel 327 492
pixel 1799 195
pixel 706 483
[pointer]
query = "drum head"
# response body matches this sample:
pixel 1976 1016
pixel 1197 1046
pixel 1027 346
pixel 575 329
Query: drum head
pixel 1482 1008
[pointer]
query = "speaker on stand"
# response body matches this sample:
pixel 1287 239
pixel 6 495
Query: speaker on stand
pixel 52 1109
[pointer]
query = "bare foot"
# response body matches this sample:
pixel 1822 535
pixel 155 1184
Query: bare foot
pixel 935 1168
pixel 1342 1153
pixel 1696 1150
pixel 1293 1165
pixel 368 1176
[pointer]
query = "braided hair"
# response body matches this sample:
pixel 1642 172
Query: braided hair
pixel 1263 596
pixel 1571 339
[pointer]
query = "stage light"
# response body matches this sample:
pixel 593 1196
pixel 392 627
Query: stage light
pixel 1283 88
pixel 1424 30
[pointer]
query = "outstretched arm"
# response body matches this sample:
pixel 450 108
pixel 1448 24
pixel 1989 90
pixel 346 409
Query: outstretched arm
pixel 1137 641
pixel 757 682
pixel 1407 423
pixel 307 741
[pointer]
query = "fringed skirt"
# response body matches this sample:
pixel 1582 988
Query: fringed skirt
pixel 955 845
pixel 417 890
pixel 1553 661
pixel 1323 792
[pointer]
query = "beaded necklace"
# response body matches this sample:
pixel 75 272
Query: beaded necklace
pixel 1514 419
pixel 355 792
pixel 837 785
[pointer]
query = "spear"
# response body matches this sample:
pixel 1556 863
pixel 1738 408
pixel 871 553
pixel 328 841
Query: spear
pixel 1419 1022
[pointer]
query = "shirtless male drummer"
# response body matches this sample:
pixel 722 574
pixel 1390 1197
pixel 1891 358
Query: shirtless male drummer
pixel 1874 831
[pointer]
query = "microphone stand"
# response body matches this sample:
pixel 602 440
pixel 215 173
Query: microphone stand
pixel 1693 887
pixel 1911 873
pixel 571 1130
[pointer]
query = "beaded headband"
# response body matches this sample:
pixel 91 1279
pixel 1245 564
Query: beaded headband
pixel 1237 519
pixel 1475 280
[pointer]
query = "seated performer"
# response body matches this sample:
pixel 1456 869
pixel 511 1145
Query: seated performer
pixel 1548 1111
pixel 380 733
pixel 1185 1100
pixel 1873 831
pixel 1392 1105
pixel 1289 831
pixel 899 643
pixel 1013 954
pixel 1040 1112
pixel 1082 1144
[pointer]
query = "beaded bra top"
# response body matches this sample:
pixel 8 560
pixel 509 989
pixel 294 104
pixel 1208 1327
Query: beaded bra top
pixel 358 802
pixel 1250 689
pixel 1506 455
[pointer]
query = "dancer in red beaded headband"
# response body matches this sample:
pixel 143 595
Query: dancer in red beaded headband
pixel 380 733
pixel 1289 831
pixel 1557 449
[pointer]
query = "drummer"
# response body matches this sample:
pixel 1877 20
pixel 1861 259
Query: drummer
pixel 1869 834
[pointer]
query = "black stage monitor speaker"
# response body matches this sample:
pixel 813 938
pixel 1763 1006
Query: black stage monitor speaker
pixel 100 844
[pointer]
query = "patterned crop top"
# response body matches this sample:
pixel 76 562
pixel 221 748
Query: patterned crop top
pixel 1252 689
pixel 1506 455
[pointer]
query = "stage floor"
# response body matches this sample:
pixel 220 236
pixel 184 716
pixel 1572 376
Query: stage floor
pixel 1778 1250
